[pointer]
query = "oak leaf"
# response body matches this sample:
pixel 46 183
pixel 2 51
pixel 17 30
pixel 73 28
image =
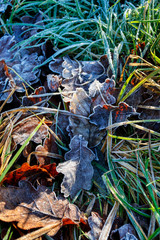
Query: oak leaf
pixel 34 208
pixel 101 115
pixel 81 104
pixel 77 169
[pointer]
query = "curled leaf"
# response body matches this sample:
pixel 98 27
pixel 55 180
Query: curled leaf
pixel 96 224
pixel 101 93
pixel 49 146
pixel 53 81
pixel 31 100
pixel 35 208
pixel 77 169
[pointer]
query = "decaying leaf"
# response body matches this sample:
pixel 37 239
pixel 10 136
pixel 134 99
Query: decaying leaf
pixel 77 169
pixel 35 208
pixel 96 224
pixel 49 146
pixel 25 128
pixel 101 115
pixel 31 99
pixel 126 232
pixel 30 173
pixel 81 104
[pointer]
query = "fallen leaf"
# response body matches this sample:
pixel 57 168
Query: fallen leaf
pixel 22 131
pixel 49 146
pixel 27 172
pixel 81 104
pixel 23 32
pixel 53 81
pixel 6 44
pixel 77 169
pixel 101 115
pixel 126 232
pixel 102 93
pixel 77 74
pixel 96 224
pixel 23 66
pixel 31 100
pixel 34 208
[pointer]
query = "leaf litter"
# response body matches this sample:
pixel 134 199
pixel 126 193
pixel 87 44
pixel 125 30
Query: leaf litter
pixel 87 91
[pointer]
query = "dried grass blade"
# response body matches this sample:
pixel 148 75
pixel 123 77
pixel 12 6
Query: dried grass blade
pixel 109 222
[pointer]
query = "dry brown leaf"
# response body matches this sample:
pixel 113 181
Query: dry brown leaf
pixel 77 169
pixel 25 128
pixel 31 173
pixel 34 208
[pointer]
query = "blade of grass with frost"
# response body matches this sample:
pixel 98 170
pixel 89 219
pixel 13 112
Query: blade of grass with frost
pixel 12 161
pixel 117 50
pixel 107 51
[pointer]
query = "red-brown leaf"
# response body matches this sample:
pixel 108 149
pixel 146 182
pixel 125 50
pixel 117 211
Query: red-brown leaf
pixel 26 172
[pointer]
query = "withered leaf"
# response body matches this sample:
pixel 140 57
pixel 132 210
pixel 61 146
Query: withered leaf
pixel 35 208
pixel 77 169
pixel 24 66
pixel 101 93
pixel 81 104
pixel 53 81
pixel 25 128
pixel 96 224
pixel 101 115
pixel 49 146
pixel 27 172
pixel 77 74
pixel 31 100
pixel 126 232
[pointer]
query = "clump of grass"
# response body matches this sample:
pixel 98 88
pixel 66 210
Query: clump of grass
pixel 89 29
